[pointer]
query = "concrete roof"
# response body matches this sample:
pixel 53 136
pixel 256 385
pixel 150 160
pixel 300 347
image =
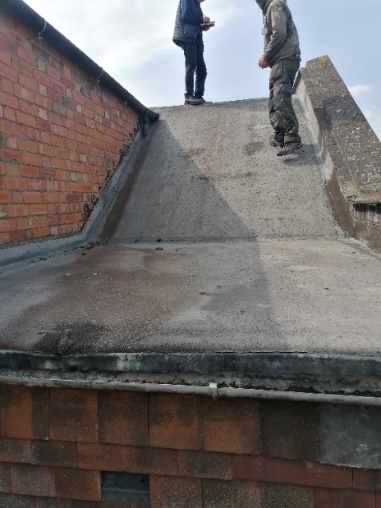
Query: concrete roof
pixel 213 246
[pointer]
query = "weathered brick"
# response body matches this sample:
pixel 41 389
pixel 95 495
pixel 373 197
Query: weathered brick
pixel 14 450
pixel 59 503
pixel 25 412
pixel 264 469
pixel 73 415
pixel 101 457
pixel 344 499
pixel 211 465
pixel 231 425
pixel 289 430
pixel 33 480
pixel 151 461
pixel 175 493
pixel 77 484
pixel 226 494
pixel 175 421
pixel 286 496
pixel 123 418
pixel 366 479
pixel 53 453
pixel 13 501
pixel 5 478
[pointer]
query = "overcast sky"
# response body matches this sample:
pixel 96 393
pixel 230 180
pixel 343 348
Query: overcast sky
pixel 132 41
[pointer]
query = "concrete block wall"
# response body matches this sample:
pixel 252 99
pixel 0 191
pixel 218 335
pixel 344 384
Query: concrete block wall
pixel 61 138
pixel 198 452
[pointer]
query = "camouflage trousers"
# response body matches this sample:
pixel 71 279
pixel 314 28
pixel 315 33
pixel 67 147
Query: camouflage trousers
pixel 282 115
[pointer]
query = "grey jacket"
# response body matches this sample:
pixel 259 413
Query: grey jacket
pixel 281 38
pixel 189 17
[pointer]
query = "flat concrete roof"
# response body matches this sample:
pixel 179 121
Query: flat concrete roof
pixel 219 270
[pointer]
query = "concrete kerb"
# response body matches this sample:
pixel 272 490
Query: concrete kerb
pixel 17 256
pixel 348 379
pixel 350 149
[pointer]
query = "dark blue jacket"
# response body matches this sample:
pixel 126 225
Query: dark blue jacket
pixel 189 17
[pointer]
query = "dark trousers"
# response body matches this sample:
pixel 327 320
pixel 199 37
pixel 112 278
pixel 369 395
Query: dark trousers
pixel 281 112
pixel 194 67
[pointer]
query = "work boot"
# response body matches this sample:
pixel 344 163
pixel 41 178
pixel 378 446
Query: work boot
pixel 275 142
pixel 193 101
pixel 289 148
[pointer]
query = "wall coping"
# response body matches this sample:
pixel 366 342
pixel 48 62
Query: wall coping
pixel 294 376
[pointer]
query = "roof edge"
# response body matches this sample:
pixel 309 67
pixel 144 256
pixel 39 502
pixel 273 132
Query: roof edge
pixel 19 10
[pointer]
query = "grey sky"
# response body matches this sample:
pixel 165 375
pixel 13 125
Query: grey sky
pixel 131 39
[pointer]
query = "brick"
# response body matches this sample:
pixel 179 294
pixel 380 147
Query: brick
pixel 28 82
pixel 14 183
pixel 231 425
pixel 33 480
pixel 216 466
pixel 73 415
pixel 25 412
pixel 43 125
pixel 286 496
pixel 76 484
pixel 10 155
pixel 264 469
pixel 28 108
pixel 289 430
pixel 9 100
pixel 5 197
pixel 364 479
pixel 13 501
pixel 175 493
pixel 222 494
pixel 60 503
pixel 39 209
pixel 151 461
pixel 25 119
pixel 40 232
pixel 29 171
pixel 38 221
pixel 101 457
pixel 5 479
pixel 123 418
pixel 175 421
pixel 32 197
pixel 53 453
pixel 14 450
pixel 344 499
pixel 32 159
pixel 7 225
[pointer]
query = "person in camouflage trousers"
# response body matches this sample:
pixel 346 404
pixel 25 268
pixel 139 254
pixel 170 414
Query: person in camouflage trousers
pixel 282 54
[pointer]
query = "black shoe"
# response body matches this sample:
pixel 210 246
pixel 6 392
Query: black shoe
pixel 276 143
pixel 193 101
pixel 289 148
pixel 198 97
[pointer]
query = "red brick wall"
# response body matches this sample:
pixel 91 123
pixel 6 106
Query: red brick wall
pixel 198 453
pixel 61 136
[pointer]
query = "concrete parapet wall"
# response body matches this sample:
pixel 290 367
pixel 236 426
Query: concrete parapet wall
pixel 196 451
pixel 62 136
pixel 350 149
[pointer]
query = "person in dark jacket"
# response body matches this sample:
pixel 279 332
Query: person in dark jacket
pixel 188 35
pixel 282 54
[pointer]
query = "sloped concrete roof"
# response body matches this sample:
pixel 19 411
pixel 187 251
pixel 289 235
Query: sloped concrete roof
pixel 214 246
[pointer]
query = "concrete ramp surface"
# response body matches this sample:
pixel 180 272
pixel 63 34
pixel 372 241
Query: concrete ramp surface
pixel 215 244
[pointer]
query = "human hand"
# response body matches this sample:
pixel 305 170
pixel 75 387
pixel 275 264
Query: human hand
pixel 263 63
pixel 205 19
